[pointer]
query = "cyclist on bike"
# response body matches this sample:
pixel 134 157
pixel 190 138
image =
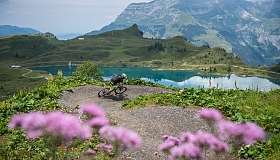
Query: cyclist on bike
pixel 116 86
pixel 118 79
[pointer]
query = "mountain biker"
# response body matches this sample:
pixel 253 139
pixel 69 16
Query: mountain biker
pixel 116 86
pixel 118 79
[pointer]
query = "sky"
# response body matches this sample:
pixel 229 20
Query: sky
pixel 62 16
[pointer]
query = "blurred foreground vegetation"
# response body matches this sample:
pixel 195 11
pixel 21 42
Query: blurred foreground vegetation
pixel 239 105
pixel 14 145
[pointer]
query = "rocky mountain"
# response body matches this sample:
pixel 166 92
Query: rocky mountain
pixel 248 28
pixel 7 30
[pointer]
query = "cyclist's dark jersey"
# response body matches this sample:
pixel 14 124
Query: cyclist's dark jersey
pixel 117 79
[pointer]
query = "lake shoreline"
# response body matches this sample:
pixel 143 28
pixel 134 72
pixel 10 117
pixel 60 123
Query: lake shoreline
pixel 212 69
pixel 275 75
pixel 180 78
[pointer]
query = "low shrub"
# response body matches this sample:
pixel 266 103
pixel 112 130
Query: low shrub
pixel 88 70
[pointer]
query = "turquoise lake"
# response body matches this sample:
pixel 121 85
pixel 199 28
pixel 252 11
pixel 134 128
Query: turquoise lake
pixel 179 79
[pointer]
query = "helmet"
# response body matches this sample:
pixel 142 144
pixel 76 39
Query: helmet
pixel 124 75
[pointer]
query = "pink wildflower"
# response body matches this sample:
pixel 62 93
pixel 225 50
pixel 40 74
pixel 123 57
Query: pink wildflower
pixel 129 138
pixel 92 110
pixel 134 141
pixel 98 122
pixel 33 121
pixel 187 150
pixel 210 115
pixel 176 153
pixel 169 142
pixel 228 129
pixel 247 133
pixel 252 133
pixel 66 126
pixel 188 137
pixel 121 135
pixel 16 121
pixel 85 132
pixel 56 124
pixel 218 146
pixel 166 146
pixel 215 144
pixel 174 139
pixel 33 134
pixel 209 140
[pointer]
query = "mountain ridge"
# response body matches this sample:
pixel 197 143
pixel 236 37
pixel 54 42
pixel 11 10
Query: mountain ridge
pixel 119 47
pixel 244 27
pixel 9 30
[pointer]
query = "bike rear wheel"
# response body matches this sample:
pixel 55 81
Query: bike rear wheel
pixel 120 90
pixel 103 92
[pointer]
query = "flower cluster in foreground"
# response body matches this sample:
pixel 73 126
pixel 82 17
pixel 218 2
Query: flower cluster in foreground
pixel 243 133
pixel 191 145
pixel 119 135
pixel 57 124
pixel 64 128
pixel 96 116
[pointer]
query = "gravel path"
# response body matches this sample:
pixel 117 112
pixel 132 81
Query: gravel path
pixel 151 123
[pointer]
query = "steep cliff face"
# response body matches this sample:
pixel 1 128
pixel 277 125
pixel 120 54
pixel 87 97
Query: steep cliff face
pixel 249 28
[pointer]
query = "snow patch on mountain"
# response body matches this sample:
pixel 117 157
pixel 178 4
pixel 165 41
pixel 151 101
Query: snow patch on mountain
pixel 246 15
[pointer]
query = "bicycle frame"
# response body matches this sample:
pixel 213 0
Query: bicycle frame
pixel 115 88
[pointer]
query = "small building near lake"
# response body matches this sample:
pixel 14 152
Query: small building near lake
pixel 15 66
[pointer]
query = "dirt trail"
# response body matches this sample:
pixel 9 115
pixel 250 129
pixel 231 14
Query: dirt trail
pixel 151 123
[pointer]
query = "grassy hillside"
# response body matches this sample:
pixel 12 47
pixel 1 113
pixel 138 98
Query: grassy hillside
pixel 122 47
pixel 275 68
pixel 13 80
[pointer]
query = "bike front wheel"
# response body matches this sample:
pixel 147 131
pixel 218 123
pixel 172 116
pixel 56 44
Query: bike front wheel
pixel 120 90
pixel 103 92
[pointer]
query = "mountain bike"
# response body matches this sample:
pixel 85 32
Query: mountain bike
pixel 118 90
